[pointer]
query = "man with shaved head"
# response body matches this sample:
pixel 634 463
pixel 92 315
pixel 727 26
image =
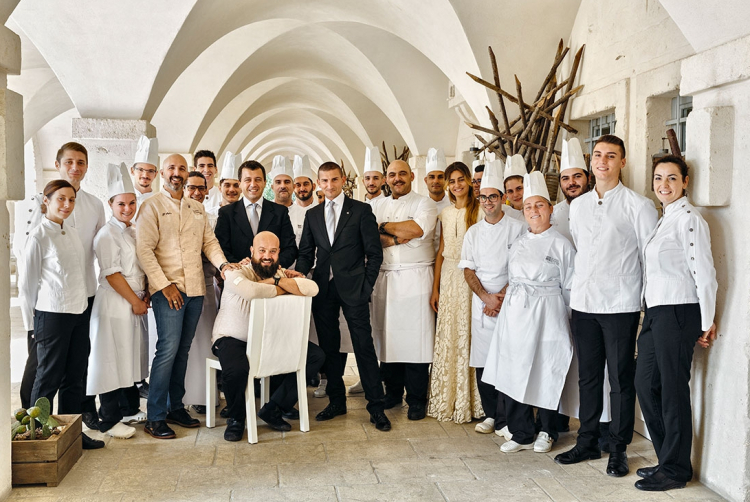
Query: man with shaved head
pixel 262 278
pixel 172 233
pixel 403 326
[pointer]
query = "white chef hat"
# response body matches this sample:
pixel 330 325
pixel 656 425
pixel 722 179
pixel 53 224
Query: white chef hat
pixel 436 160
pixel 302 167
pixel 147 152
pixel 229 166
pixel 372 160
pixel 534 184
pixel 493 175
pixel 281 166
pixel 514 166
pixel 572 155
pixel 118 180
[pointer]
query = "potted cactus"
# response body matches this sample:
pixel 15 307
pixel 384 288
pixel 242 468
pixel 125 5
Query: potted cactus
pixel 25 426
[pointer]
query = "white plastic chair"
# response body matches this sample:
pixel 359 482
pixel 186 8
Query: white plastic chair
pixel 277 344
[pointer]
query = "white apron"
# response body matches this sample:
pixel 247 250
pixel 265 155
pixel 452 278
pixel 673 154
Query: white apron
pixel 482 328
pixel 532 348
pixel 403 323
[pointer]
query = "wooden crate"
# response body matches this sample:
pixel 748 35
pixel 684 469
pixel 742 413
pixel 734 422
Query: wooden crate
pixel 48 461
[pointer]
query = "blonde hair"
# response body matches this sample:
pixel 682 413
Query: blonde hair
pixel 472 205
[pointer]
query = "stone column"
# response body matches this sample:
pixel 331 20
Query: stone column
pixel 11 188
pixel 417 164
pixel 109 141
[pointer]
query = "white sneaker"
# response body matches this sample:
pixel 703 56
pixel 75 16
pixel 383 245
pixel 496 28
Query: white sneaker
pixel 505 433
pixel 486 427
pixel 512 447
pixel 321 390
pixel 138 418
pixel 356 388
pixel 543 443
pixel 121 431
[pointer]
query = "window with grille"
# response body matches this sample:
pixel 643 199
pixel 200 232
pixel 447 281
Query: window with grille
pixel 598 127
pixel 681 108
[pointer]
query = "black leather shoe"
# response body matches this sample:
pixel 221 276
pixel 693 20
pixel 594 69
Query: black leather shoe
pixel 416 412
pixel 235 429
pixel 182 418
pixel 658 482
pixel 331 411
pixel 199 409
pixel 91 419
pixel 91 444
pixel 391 401
pixel 618 464
pixel 577 454
pixel 224 413
pixel 293 414
pixel 381 421
pixel 272 418
pixel 645 472
pixel 159 429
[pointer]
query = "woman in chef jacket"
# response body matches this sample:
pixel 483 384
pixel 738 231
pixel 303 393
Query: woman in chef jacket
pixel 531 347
pixel 118 319
pixel 680 295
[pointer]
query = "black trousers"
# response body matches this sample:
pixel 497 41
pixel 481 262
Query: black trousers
pixel 235 371
pixel 665 355
pixel 29 371
pixel 325 310
pixel 88 403
pixel 110 412
pixel 521 421
pixel 414 377
pixel 130 401
pixel 609 338
pixel 493 401
pixel 63 345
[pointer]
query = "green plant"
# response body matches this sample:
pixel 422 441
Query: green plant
pixel 26 421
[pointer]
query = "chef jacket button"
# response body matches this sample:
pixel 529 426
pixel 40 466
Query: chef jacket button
pixel 27 233
pixel 29 210
pixel 691 229
pixel 692 258
pixel 63 232
pixel 691 243
pixel 28 222
pixel 600 203
pixel 693 272
pixel 688 210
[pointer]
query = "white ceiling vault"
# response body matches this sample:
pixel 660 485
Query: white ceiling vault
pixel 324 78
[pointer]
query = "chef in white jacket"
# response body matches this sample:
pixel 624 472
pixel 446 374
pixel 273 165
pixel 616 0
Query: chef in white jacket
pixel 574 182
pixel 304 189
pixel 229 183
pixel 403 325
pixel 372 177
pixel 204 162
pixel 144 168
pixel 118 319
pixel 531 347
pixel 484 258
pixel 515 169
pixel 435 181
pixel 610 227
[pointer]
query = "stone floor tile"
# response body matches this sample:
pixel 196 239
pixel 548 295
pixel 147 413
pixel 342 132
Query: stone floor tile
pixel 225 454
pixel 554 489
pixel 185 437
pixel 165 455
pixel 146 479
pixel 516 465
pixel 606 488
pixel 695 492
pixel 27 495
pixel 215 496
pixel 289 494
pixel 425 492
pixel 275 453
pixel 329 473
pixel 386 449
pixel 326 433
pixel 218 479
pixel 421 429
pixel 215 435
pixel 455 430
pixel 455 447
pixel 521 490
pixel 101 459
pixel 421 470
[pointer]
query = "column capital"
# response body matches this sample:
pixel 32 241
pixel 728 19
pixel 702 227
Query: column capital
pixel 112 129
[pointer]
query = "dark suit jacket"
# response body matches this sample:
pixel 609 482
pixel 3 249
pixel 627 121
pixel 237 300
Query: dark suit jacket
pixel 356 253
pixel 235 234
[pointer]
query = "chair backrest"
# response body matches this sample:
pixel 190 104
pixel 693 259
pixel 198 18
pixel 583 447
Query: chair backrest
pixel 277 335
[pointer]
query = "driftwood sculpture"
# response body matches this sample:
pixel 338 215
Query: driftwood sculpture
pixel 404 155
pixel 533 134
pixel 351 181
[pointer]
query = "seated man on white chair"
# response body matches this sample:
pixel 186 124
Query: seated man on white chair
pixel 261 278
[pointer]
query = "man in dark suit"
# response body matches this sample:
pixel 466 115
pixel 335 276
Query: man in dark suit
pixel 344 235
pixel 239 222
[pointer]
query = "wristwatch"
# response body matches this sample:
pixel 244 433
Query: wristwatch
pixel 381 228
pixel 276 281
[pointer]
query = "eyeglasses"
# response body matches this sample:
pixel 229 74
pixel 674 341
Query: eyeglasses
pixel 491 198
pixel 194 188
pixel 476 182
pixel 147 171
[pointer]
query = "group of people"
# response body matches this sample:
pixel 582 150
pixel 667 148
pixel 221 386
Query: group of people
pixel 478 301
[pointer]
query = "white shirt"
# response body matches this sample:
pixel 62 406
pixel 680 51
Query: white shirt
pixel 513 213
pixel 441 204
pixel 410 207
pixel 486 251
pixel 258 208
pixel 53 274
pixel 297 216
pixel 561 219
pixel 213 198
pixel 678 264
pixel 336 208
pixel 380 196
pixel 610 234
pixel 140 197
pixel 115 250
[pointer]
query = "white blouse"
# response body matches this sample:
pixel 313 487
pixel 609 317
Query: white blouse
pixel 53 274
pixel 678 264
pixel 115 250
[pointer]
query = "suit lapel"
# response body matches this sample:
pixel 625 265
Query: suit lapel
pixel 266 216
pixel 240 217
pixel 318 218
pixel 346 212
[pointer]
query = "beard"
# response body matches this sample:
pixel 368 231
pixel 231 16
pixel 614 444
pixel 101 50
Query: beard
pixel 306 197
pixel 176 183
pixel 373 189
pixel 264 271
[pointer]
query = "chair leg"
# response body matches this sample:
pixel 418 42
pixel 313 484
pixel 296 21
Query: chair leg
pixel 304 416
pixel 252 416
pixel 265 390
pixel 210 394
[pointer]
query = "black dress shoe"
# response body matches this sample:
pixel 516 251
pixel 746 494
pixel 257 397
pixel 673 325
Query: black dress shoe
pixel 331 411
pixel 392 401
pixel 159 429
pixel 618 464
pixel 577 454
pixel 272 417
pixel 416 412
pixel 292 414
pixel 91 419
pixel 91 444
pixel 645 472
pixel 381 421
pixel 199 409
pixel 224 413
pixel 182 418
pixel 658 482
pixel 235 429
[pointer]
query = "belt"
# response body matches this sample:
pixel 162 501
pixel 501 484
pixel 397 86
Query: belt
pixel 533 288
